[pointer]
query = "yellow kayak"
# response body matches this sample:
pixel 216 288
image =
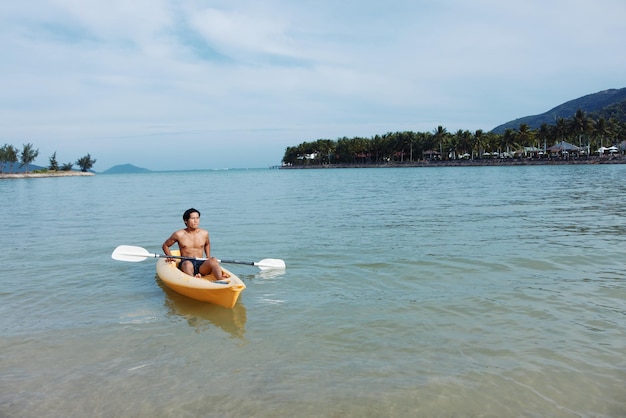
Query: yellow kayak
pixel 205 289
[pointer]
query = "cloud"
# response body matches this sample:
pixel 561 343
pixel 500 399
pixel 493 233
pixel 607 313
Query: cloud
pixel 112 78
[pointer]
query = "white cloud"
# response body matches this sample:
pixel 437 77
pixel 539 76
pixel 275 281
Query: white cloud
pixel 240 34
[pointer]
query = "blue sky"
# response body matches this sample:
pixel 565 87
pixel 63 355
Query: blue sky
pixel 170 85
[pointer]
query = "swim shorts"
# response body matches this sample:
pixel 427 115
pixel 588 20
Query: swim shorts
pixel 196 265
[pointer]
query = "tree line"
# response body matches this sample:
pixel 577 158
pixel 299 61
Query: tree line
pixel 10 155
pixel 586 132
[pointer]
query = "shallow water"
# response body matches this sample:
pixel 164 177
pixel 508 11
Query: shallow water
pixel 458 291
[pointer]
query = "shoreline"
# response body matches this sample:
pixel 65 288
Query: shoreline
pixel 48 174
pixel 466 163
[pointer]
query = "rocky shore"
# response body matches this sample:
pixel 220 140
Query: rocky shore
pixel 46 174
pixel 471 163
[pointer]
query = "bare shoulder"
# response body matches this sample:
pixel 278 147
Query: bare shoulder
pixel 178 234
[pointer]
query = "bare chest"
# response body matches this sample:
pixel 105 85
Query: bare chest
pixel 192 240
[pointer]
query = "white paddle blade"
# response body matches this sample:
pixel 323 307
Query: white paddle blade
pixel 270 263
pixel 130 253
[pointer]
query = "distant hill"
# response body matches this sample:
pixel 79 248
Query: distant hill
pixel 606 104
pixel 125 169
pixel 7 168
pixel 15 168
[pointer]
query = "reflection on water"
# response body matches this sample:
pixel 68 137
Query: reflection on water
pixel 202 315
pixel 269 274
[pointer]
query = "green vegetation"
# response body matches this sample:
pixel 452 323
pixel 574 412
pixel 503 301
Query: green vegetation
pixel 85 163
pixel 10 155
pixel 581 130
pixel 28 155
pixel 54 165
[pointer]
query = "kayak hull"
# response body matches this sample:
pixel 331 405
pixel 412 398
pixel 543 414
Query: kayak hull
pixel 223 293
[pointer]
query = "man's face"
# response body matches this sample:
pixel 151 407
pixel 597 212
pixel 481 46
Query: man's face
pixel 194 220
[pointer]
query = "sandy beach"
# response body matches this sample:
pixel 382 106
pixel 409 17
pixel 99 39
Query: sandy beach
pixel 47 174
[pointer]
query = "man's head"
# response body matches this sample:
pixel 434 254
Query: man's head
pixel 188 213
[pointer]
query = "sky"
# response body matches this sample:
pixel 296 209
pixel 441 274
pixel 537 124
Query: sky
pixel 199 84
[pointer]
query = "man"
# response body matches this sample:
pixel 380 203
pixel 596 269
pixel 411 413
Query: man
pixel 193 241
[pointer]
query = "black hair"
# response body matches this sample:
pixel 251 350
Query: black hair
pixel 188 213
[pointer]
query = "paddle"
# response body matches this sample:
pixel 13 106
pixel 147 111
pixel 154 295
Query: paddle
pixel 135 254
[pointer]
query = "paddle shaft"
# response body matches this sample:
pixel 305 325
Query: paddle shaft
pixel 178 257
pixel 249 263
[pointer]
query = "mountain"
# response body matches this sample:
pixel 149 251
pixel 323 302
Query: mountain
pixel 125 169
pixel 605 104
pixel 16 168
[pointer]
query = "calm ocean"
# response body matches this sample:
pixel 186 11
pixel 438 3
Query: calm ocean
pixel 435 292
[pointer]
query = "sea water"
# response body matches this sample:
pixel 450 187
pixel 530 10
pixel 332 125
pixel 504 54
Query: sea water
pixel 454 291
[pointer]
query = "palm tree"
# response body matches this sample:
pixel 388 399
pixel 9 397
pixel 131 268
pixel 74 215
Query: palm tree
pixel 617 128
pixel 419 142
pixel 440 135
pixel 525 135
pixel 428 142
pixel 560 129
pixel 28 155
pixel 465 140
pixel 580 125
pixel 3 157
pixel 388 146
pixel 409 139
pixel 509 139
pixel 8 155
pixel 601 130
pixel 490 141
pixel 377 147
pixel 544 132
pixel 454 143
pixel 85 163
pixel 478 138
pixel 54 164
pixel 403 141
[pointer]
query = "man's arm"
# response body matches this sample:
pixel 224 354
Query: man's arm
pixel 207 246
pixel 168 243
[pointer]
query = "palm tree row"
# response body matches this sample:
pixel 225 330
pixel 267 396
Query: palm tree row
pixel 581 130
pixel 10 155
